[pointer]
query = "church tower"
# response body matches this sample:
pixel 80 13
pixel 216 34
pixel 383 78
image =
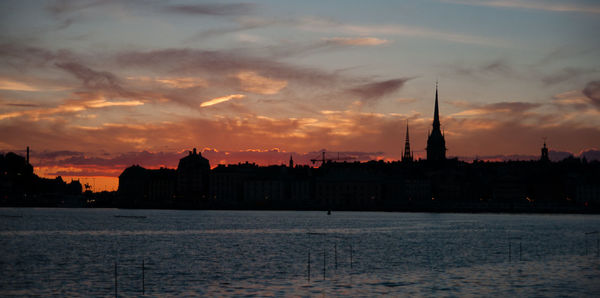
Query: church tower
pixel 436 144
pixel 407 156
pixel 544 157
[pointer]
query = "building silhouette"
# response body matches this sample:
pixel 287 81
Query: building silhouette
pixel 544 156
pixel 407 156
pixel 193 177
pixel 20 186
pixel 436 144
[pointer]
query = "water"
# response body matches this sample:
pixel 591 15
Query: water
pixel 72 252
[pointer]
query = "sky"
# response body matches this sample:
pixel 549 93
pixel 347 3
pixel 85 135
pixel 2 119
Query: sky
pixel 96 86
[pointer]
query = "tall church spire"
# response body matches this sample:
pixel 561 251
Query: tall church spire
pixel 436 112
pixel 436 144
pixel 407 156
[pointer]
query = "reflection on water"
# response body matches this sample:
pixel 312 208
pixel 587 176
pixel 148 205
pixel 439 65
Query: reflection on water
pixel 72 252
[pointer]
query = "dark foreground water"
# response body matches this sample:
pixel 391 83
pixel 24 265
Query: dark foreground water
pixel 72 252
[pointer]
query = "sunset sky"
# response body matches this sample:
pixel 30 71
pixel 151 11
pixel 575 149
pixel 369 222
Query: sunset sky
pixel 96 86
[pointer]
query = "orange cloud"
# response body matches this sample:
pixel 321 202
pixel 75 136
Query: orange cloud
pixel 253 82
pixel 173 82
pixel 70 107
pixel 16 86
pixel 221 99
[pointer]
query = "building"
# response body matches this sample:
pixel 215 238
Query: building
pixel 544 157
pixel 141 187
pixel 436 144
pixel 407 156
pixel 192 177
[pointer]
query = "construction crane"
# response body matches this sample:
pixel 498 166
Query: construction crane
pixel 323 160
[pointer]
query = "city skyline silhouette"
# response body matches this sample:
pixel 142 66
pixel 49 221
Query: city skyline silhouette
pixel 104 85
pixel 436 183
pixel 435 150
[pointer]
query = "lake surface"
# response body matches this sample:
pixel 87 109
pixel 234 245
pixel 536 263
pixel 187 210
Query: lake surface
pixel 72 252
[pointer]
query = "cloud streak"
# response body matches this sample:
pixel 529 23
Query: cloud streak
pixel 221 99
pixel 70 107
pixel 422 32
pixel 92 79
pixel 213 9
pixel 498 109
pixel 357 41
pixel 371 92
pixel 565 6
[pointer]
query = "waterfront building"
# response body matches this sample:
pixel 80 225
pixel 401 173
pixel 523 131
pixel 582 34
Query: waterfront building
pixel 193 177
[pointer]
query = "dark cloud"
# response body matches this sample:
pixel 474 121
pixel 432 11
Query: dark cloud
pixel 68 12
pixel 590 154
pixel 92 79
pixel 495 67
pixel 373 91
pixel 592 91
pixel 566 74
pixel 513 106
pixel 59 7
pixel 558 155
pixel 143 158
pixel 498 66
pixel 241 24
pixel 218 68
pixel 22 57
pixel 23 105
pixel 213 9
pixel 189 61
pixel 296 49
pixel 564 52
pixel 52 155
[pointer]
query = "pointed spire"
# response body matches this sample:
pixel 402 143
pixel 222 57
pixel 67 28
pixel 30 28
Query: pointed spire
pixel 436 144
pixel 407 156
pixel 436 113
pixel 291 164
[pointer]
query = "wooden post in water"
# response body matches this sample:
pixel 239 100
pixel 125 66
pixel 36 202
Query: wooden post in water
pixel 308 265
pixel 143 279
pixel 597 242
pixel 350 256
pixel 519 251
pixel 324 262
pixel 115 279
pixel 335 252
